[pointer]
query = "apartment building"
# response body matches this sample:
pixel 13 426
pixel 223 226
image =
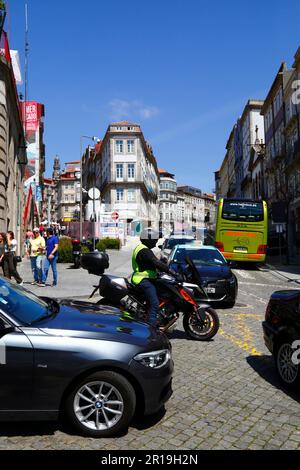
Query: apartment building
pixel 192 206
pixel 167 201
pixel 124 168
pixel 68 193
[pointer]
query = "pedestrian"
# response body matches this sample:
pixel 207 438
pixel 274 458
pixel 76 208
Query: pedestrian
pixel 3 243
pixel 10 258
pixel 36 252
pixel 51 255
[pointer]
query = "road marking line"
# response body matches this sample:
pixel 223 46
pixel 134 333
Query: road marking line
pixel 262 285
pixel 255 296
pixel 244 274
pixel 241 344
pixel 246 341
pixel 257 316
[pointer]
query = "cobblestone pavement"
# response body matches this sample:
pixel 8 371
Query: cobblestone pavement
pixel 226 392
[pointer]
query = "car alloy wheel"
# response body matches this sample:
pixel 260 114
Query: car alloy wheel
pixel 98 405
pixel 101 405
pixel 287 370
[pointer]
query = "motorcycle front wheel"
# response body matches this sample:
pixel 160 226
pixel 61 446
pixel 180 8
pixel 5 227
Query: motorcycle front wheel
pixel 202 330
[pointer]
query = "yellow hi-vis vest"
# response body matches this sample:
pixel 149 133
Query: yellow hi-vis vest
pixel 138 276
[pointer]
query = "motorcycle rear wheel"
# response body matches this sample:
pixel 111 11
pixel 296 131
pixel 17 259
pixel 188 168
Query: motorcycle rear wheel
pixel 202 332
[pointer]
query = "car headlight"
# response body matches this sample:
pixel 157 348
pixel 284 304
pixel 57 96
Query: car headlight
pixel 154 359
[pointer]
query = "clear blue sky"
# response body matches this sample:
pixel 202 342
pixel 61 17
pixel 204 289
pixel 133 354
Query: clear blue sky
pixel 183 69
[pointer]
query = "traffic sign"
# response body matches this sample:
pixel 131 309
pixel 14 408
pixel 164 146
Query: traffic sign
pixel 94 193
pixel 115 216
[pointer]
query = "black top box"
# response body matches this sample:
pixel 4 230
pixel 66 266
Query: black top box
pixel 95 262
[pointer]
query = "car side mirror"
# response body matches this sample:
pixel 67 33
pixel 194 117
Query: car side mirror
pixel 5 328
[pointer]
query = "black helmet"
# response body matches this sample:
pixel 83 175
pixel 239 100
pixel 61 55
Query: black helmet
pixel 149 237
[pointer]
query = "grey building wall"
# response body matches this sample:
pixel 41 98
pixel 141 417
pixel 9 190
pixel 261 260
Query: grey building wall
pixel 12 156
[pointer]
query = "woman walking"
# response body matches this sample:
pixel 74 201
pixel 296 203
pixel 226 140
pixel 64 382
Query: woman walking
pixel 10 264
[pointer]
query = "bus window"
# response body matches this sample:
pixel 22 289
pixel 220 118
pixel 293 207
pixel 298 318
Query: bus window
pixel 243 211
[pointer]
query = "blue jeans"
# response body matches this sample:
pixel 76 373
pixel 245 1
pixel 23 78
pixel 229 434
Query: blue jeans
pixel 152 300
pixel 52 263
pixel 38 269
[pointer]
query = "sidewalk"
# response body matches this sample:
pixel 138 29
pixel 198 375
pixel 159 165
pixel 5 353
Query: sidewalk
pixel 291 271
pixel 76 283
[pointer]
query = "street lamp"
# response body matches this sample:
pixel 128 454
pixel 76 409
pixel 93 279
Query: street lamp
pixel 94 139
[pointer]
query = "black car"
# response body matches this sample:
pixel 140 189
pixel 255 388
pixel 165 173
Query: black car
pixel 96 364
pixel 282 334
pixel 217 279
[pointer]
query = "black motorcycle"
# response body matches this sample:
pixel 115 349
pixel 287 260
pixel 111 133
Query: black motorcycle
pixel 76 252
pixel 200 320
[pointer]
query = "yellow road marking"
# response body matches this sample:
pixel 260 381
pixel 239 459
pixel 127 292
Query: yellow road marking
pixel 244 340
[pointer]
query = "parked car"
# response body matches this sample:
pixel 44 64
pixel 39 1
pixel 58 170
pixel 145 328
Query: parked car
pixel 218 281
pixel 172 241
pixel 95 364
pixel 281 328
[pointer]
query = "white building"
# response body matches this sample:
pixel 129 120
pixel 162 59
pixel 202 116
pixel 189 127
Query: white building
pixel 252 123
pixel 167 202
pixel 191 208
pixel 124 168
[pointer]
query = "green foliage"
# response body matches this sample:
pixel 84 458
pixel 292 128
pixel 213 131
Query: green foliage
pixel 108 244
pixel 85 249
pixel 2 5
pixel 65 250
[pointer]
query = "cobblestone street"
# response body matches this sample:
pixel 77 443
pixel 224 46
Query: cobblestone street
pixel 226 392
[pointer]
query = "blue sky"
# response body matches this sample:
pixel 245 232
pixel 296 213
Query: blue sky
pixel 183 69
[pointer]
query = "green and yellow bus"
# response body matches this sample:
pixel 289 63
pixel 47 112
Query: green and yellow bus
pixel 242 230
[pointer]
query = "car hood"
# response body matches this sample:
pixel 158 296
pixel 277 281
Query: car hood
pixel 214 272
pixel 87 320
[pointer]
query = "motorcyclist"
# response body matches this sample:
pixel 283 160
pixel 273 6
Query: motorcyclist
pixel 145 269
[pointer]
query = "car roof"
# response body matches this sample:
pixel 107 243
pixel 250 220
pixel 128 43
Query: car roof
pixel 180 237
pixel 195 246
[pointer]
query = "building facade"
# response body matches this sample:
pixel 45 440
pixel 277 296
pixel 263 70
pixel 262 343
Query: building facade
pixel 50 203
pixel 273 113
pixel 125 171
pixel 292 165
pixel 13 158
pixel 252 124
pixel 68 193
pixel 167 202
pixel 192 208
pixel 267 153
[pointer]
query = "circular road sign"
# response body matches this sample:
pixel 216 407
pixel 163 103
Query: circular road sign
pixel 94 193
pixel 115 216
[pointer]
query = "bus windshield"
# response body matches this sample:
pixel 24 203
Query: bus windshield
pixel 245 211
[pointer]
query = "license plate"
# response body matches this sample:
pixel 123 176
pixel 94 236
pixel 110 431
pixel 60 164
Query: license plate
pixel 210 290
pixel 240 248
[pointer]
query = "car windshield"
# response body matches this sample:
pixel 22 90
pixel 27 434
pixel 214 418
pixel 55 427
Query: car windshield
pixel 199 256
pixel 21 304
pixel 243 211
pixel 177 241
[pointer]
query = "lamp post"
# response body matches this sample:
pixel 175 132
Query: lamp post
pixel 94 139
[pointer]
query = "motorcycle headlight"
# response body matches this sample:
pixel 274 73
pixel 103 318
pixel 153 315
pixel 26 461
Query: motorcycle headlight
pixel 154 359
